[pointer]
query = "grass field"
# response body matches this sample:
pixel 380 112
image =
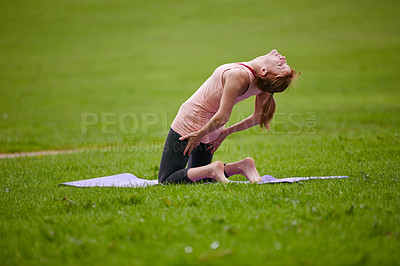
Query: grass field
pixel 109 77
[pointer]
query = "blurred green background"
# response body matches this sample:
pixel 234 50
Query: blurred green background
pixel 109 77
pixel 64 61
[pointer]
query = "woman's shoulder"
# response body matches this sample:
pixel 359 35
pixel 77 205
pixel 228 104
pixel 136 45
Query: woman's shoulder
pixel 231 68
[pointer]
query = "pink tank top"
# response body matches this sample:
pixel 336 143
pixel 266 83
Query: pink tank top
pixel 195 113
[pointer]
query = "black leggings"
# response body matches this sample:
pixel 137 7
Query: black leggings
pixel 173 162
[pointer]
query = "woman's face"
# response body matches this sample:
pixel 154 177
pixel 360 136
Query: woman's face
pixel 276 63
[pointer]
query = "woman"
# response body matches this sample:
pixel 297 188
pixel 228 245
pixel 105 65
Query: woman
pixel 198 129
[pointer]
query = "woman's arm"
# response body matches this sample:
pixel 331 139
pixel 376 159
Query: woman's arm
pixel 234 82
pixel 253 119
pixel 246 123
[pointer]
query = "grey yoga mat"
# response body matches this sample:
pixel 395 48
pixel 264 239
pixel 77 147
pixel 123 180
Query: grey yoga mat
pixel 130 180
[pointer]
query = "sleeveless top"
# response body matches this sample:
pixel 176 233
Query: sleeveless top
pixel 195 113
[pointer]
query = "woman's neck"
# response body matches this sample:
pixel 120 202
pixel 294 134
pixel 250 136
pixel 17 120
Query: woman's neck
pixel 254 64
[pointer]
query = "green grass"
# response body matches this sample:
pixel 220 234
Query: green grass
pixel 131 64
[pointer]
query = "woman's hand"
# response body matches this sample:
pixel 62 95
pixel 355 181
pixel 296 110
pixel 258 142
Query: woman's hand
pixel 194 141
pixel 214 145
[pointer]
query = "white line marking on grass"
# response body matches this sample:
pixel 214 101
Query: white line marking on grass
pixel 37 153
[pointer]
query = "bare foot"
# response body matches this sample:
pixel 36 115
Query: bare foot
pixel 248 169
pixel 217 172
pixel 213 170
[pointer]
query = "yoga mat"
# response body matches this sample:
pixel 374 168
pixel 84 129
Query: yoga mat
pixel 130 180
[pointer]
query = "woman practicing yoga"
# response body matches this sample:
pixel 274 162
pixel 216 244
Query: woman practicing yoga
pixel 198 129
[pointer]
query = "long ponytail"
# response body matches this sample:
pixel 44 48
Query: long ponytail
pixel 273 84
pixel 268 112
